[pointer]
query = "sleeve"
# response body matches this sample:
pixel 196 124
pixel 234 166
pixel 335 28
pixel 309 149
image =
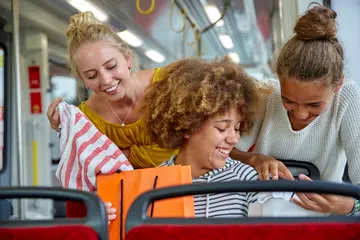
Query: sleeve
pixel 350 131
pixel 248 173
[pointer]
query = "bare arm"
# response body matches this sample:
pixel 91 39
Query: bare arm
pixel 244 157
pixel 263 164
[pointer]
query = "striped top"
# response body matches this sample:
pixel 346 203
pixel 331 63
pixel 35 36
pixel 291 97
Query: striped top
pixel 224 204
pixel 85 151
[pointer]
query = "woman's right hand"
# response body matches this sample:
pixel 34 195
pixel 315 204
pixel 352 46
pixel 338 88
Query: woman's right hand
pixel 110 211
pixel 265 165
pixel 53 114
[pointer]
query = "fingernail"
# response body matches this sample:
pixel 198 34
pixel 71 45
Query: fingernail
pixel 108 204
pixel 112 217
pixel 113 210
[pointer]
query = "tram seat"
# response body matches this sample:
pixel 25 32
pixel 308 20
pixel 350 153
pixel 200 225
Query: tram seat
pixel 301 167
pixel 139 226
pixel 92 227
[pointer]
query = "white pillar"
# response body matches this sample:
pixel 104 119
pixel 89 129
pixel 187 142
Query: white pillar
pixel 37 130
pixel 284 20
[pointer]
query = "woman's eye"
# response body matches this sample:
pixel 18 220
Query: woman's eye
pixel 112 67
pixel 221 130
pixel 92 77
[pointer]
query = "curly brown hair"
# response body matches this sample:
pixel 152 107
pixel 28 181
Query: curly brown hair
pixel 190 92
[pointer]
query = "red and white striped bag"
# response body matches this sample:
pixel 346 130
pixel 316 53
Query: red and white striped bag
pixel 85 151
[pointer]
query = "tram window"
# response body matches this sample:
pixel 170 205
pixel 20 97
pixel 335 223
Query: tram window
pixel 2 80
pixel 64 87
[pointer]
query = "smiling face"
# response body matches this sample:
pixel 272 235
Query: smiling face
pixel 104 69
pixel 305 101
pixel 214 140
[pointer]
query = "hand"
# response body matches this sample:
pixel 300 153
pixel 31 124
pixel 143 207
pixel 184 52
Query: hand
pixel 126 152
pixel 324 203
pixel 265 165
pixel 111 212
pixel 53 114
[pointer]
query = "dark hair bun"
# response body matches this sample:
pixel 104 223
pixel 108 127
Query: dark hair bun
pixel 317 23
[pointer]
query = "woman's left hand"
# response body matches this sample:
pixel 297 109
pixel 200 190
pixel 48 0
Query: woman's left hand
pixel 324 203
pixel 126 152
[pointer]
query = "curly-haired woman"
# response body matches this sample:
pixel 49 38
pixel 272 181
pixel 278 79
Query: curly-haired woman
pixel 201 109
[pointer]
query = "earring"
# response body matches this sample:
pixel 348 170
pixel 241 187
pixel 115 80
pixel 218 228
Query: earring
pixel 86 87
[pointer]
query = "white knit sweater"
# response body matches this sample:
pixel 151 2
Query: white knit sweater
pixel 328 142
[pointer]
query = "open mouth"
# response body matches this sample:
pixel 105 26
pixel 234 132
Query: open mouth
pixel 223 151
pixel 112 89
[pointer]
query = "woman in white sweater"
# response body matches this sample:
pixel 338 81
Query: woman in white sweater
pixel 312 115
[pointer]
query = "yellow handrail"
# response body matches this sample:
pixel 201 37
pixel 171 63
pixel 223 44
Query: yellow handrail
pixel 152 6
pixel 35 162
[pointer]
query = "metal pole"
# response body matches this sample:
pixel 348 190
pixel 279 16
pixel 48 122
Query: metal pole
pixel 20 146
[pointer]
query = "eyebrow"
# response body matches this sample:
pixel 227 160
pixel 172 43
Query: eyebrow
pixel 103 65
pixel 223 120
pixel 306 103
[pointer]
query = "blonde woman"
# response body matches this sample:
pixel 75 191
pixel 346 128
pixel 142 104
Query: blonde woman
pixel 105 65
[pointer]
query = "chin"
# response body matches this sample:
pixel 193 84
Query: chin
pixel 219 164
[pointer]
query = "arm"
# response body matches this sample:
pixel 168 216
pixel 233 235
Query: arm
pixel 244 157
pixel 263 164
pixel 350 132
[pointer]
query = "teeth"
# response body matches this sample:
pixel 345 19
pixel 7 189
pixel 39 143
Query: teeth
pixel 223 151
pixel 112 88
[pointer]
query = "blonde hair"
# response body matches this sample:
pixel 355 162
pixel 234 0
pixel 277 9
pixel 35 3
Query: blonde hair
pixel 84 28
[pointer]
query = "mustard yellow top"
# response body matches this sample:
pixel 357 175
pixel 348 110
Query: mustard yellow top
pixel 143 153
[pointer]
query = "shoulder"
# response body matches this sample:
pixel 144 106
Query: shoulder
pixel 269 90
pixel 347 99
pixel 146 76
pixel 170 162
pixel 243 171
pixel 350 90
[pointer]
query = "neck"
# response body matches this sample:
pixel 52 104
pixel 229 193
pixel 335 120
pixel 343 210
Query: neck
pixel 186 156
pixel 294 125
pixel 126 101
pixel 131 96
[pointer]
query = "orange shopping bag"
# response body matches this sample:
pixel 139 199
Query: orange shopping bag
pixel 121 189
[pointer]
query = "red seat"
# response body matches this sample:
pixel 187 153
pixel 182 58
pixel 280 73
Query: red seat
pixel 76 232
pixel 91 226
pixel 139 226
pixel 308 231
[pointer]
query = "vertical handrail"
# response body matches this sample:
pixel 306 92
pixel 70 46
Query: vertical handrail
pixel 35 153
pixel 20 147
pixel 34 146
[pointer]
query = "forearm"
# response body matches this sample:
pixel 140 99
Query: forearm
pixel 244 157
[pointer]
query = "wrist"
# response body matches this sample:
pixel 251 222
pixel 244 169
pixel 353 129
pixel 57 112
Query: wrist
pixel 252 160
pixel 356 208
